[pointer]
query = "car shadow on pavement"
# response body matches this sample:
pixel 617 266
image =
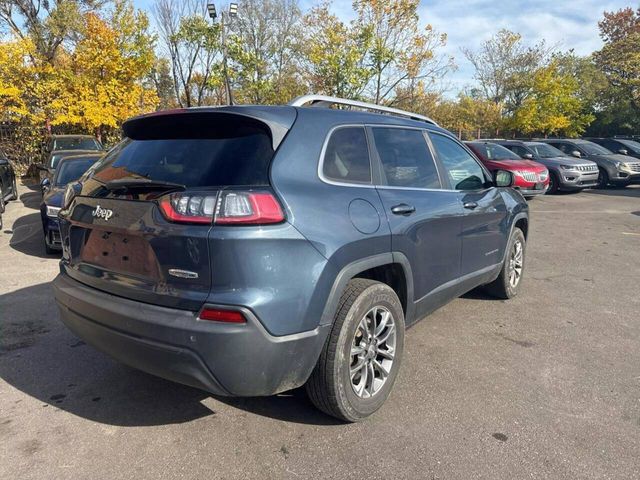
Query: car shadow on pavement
pixel 479 294
pixel 630 191
pixel 31 200
pixel 27 236
pixel 41 358
pixel 32 183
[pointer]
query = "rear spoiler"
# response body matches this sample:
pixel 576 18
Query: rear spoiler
pixel 207 122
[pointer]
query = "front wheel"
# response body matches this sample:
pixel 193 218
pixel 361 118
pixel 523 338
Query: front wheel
pixel 603 178
pixel 361 358
pixel 508 282
pixel 553 183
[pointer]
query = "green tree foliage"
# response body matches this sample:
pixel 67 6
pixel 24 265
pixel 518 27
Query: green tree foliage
pixel 335 54
pixel 619 60
pixel 400 53
pixel 194 49
pixel 266 51
pixel 552 106
pixel 47 24
pixel 504 68
pixel 92 84
pixel 161 80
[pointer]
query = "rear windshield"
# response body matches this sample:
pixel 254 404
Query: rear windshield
pixel 71 171
pixel 545 151
pixel 76 143
pixel 194 162
pixel 491 151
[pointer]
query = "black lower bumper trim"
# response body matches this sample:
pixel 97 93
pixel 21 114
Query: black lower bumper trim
pixel 225 359
pixel 173 363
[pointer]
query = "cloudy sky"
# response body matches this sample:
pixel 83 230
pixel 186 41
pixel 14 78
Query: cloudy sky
pixel 570 24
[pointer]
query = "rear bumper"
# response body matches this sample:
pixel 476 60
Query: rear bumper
pixel 224 359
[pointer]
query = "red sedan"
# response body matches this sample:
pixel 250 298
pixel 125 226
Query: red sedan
pixel 532 178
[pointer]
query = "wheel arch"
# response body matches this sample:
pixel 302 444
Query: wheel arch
pixel 522 222
pixel 393 269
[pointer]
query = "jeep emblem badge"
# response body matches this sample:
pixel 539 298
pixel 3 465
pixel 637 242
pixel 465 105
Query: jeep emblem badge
pixel 100 212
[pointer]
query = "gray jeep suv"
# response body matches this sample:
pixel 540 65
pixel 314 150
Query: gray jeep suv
pixel 249 250
pixel 613 168
pixel 565 173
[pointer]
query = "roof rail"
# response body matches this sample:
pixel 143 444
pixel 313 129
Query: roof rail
pixel 326 101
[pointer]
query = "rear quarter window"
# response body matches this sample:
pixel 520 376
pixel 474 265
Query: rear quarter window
pixel 346 157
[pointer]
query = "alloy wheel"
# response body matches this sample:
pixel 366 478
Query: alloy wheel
pixel 372 352
pixel 516 263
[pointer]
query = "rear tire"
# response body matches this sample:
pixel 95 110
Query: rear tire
pixel 508 283
pixel 367 338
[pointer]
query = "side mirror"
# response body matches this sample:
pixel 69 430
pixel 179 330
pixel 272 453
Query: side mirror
pixel 4 161
pixel 623 151
pixel 503 178
pixel 576 154
pixel 45 184
pixel 528 156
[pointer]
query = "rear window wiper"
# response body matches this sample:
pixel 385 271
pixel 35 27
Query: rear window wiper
pixel 129 184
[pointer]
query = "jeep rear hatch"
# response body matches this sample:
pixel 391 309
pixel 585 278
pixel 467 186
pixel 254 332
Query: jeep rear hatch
pixel 139 225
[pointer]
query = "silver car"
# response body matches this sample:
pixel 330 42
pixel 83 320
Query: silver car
pixel 613 168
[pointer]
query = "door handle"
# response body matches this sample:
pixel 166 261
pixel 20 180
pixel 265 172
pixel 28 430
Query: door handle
pixel 470 205
pixel 403 209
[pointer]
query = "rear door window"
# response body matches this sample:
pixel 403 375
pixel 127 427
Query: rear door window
pixel 612 145
pixel 346 158
pixel 564 147
pixel 518 150
pixel 405 158
pixel 463 171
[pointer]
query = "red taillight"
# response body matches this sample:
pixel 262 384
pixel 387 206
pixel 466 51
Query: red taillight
pixel 229 207
pixel 184 208
pixel 221 315
pixel 255 208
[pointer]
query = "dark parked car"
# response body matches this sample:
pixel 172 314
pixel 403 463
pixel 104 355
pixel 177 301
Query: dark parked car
pixel 70 142
pixel 249 250
pixel 613 168
pixel 531 178
pixel 622 146
pixel 8 187
pixel 565 173
pixel 48 169
pixel 68 170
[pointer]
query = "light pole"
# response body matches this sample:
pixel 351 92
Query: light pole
pixel 229 14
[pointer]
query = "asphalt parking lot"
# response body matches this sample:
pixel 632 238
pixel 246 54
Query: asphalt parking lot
pixel 544 386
